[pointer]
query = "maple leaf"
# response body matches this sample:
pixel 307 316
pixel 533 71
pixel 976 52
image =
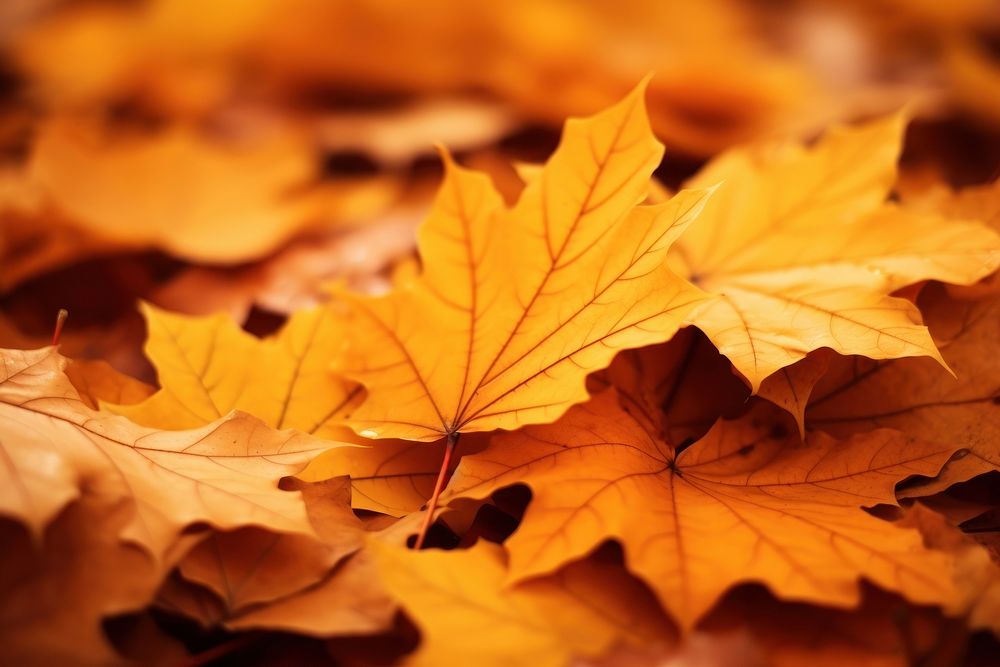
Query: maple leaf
pixel 911 395
pixel 790 387
pixel 515 307
pixel 742 504
pixel 348 602
pixel 801 252
pixel 203 373
pixel 467 615
pixel 223 474
pixel 974 203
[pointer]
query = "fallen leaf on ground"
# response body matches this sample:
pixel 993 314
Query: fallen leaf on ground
pixel 916 396
pixel 677 389
pixel 801 251
pixel 194 197
pixel 350 601
pixel 54 596
pixel 55 447
pixel 501 329
pixel 978 576
pixel 883 631
pixel 465 612
pixel 791 387
pixel 203 372
pixel 745 503
pixel 394 477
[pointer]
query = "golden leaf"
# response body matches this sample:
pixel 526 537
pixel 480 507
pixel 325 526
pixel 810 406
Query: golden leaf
pixel 97 380
pixel 801 252
pixel 204 369
pixel 190 196
pixel 515 307
pixel 467 616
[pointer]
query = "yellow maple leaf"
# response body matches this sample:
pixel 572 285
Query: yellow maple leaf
pixel 203 372
pixel 801 251
pixel 208 366
pixel 467 616
pixel 742 504
pixel 515 307
pixel 224 474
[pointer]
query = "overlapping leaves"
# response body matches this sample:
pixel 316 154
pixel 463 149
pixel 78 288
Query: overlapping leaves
pixel 514 307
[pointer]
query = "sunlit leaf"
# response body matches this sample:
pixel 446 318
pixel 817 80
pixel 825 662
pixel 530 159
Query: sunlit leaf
pixel 515 307
pixel 745 503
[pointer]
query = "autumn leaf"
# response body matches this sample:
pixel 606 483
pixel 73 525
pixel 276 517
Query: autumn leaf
pixel 978 576
pixel 203 373
pixel 791 387
pixel 97 380
pixel 801 251
pixel 467 615
pixel 348 602
pixel 973 203
pixel 914 396
pixel 220 203
pixel 394 477
pixel 742 504
pixel 252 566
pixel 514 307
pixel 55 595
pixel 677 389
pixel 55 447
pixel 317 584
pixel 588 400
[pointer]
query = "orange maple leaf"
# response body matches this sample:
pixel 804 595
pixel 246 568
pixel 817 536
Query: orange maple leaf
pixel 742 504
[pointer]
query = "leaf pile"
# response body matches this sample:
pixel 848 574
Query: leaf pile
pixel 595 420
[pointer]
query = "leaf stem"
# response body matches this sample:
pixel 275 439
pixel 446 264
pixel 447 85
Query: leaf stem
pixel 438 487
pixel 60 321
